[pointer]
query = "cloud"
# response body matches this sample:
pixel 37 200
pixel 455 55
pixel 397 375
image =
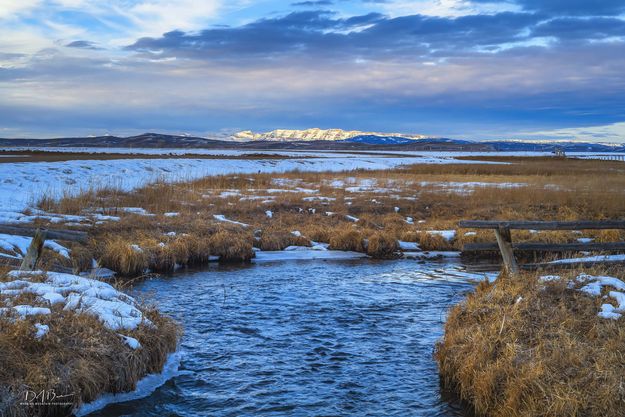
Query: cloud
pixel 320 34
pixel 315 3
pixel 575 7
pixel 470 68
pixel 13 8
pixel 83 45
pixel 445 8
pixel 611 133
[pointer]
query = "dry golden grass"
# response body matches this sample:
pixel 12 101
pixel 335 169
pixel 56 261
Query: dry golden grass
pixel 79 357
pixel 123 257
pixel 231 246
pixel 520 348
pixel 382 246
pixel 347 239
pixel 551 189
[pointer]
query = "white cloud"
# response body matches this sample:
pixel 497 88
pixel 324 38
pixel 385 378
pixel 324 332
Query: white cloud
pixel 155 17
pixel 445 8
pixel 606 133
pixel 125 20
pixel 13 8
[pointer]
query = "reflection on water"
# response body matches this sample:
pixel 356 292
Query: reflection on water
pixel 306 339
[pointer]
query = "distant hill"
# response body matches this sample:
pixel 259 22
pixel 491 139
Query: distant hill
pixel 529 146
pixel 146 140
pixel 355 143
pixel 379 140
pixel 155 140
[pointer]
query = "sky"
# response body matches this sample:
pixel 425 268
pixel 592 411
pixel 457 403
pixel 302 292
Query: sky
pixel 470 69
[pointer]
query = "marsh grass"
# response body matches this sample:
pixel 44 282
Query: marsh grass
pixel 544 189
pixel 521 348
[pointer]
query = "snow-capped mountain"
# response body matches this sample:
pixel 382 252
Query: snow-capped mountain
pixel 316 134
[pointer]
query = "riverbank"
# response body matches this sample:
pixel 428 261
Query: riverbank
pixel 68 340
pixel 539 345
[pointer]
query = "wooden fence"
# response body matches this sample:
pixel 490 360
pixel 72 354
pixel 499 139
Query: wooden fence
pixel 507 247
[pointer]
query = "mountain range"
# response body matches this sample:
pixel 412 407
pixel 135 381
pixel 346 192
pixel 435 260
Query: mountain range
pixel 316 134
pixel 300 140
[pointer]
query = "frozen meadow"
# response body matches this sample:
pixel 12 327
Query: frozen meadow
pixel 23 183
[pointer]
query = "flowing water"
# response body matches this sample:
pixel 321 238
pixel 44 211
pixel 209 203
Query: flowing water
pixel 306 338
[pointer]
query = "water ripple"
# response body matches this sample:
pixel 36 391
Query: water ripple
pixel 307 339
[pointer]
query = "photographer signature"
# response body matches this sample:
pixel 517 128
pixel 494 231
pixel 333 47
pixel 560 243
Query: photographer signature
pixel 46 397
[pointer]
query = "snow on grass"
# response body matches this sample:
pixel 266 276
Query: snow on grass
pixel 130 341
pixel 594 285
pixel 135 210
pixel 24 311
pixel 319 198
pixel 41 330
pixel 468 187
pixel 585 240
pixel 597 258
pixel 294 190
pixel 228 194
pixel 448 235
pixel 405 246
pixel 114 309
pixel 222 218
pixel 269 214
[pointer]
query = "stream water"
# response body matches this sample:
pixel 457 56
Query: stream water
pixel 306 338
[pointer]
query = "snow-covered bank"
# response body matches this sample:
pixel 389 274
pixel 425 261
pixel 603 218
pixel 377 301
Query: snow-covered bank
pixel 49 317
pixel 116 310
pixel 21 184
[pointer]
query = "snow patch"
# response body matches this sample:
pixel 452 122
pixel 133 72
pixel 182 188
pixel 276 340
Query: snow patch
pixel 222 218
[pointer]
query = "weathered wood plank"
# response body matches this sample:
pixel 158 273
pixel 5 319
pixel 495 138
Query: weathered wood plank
pixel 70 235
pixel 34 251
pixel 504 239
pixel 549 247
pixel 539 225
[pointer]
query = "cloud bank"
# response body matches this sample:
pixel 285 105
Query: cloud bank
pixel 477 69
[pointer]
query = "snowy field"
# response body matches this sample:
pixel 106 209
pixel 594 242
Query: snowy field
pixel 22 184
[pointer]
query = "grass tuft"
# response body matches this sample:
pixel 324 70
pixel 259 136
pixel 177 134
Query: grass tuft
pixel 347 239
pixel 383 246
pixel 231 246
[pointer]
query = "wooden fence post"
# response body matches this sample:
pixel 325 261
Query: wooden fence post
pixel 504 239
pixel 34 251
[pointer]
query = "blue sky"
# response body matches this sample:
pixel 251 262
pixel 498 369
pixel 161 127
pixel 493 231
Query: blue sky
pixel 473 69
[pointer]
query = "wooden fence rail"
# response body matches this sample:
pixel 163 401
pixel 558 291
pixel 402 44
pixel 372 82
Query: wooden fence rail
pixel 69 235
pixel 538 225
pixel 507 247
